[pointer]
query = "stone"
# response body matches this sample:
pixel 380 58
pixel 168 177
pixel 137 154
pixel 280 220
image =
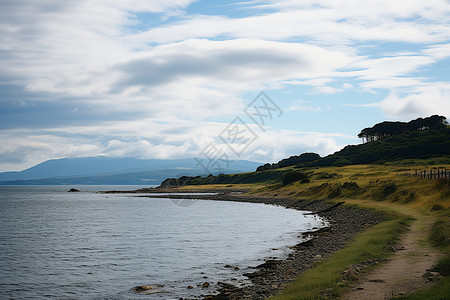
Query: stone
pixel 205 285
pixel 327 292
pixel 142 288
pixel 432 276
pixel 72 190
pixel 148 289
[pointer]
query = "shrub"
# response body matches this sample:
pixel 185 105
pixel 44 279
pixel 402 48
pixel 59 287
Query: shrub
pixel 440 234
pixel 335 193
pixel 350 185
pixel 388 189
pixel 443 266
pixel 326 175
pixel 342 162
pixel 293 176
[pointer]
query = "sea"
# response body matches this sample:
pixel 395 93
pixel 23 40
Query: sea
pixel 89 245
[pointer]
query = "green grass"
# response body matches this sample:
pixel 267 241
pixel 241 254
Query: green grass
pixel 328 273
pixel 440 233
pixel 439 291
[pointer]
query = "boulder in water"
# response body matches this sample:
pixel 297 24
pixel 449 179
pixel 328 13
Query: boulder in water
pixel 148 289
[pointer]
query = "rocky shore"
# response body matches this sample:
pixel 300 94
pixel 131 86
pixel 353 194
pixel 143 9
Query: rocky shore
pixel 268 278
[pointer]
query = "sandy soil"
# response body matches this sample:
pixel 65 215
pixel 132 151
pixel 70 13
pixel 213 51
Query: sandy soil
pixel 402 274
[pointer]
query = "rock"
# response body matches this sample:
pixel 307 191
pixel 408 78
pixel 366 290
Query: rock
pixel 190 287
pixel 205 285
pixel 327 293
pixel 142 288
pixel 148 289
pixel 236 268
pixel 309 243
pixel 350 273
pixel 228 266
pixel 432 276
pixel 72 190
pixel 268 264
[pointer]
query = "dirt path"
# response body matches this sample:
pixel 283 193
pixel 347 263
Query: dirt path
pixel 402 274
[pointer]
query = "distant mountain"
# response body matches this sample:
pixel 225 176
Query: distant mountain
pixel 106 170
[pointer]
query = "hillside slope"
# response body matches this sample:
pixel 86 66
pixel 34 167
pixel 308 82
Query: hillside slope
pixel 404 149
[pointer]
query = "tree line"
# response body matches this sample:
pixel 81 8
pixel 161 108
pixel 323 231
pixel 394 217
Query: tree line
pixel 387 128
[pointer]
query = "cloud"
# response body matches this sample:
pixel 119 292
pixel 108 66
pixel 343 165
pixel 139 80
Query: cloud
pixel 440 51
pixel 148 139
pixel 89 77
pixel 321 20
pixel 233 64
pixel 302 105
pixel 426 102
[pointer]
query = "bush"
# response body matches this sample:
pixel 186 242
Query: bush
pixel 335 193
pixel 342 162
pixel 350 185
pixel 293 176
pixel 443 266
pixel 440 234
pixel 388 189
pixel 326 175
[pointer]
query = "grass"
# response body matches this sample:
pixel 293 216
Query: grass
pixel 440 291
pixel 328 273
pixel 382 187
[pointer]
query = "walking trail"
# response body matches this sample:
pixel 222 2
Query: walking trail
pixel 402 274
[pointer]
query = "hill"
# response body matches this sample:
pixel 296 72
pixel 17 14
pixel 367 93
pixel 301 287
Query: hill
pixel 106 170
pixel 414 145
pixel 405 149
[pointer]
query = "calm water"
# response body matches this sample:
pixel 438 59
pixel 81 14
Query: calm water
pixel 60 245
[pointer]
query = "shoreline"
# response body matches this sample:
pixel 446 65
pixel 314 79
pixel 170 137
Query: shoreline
pixel 270 277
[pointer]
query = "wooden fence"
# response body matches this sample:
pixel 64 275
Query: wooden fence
pixel 430 174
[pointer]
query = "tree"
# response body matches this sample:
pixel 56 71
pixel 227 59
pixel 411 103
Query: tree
pixel 387 129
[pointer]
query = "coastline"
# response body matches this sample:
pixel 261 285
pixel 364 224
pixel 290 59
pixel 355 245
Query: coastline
pixel 270 277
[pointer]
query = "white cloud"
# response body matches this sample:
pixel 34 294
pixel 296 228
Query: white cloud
pixel 426 102
pixel 327 89
pixel 147 139
pixel 165 85
pixel 325 21
pixel 347 86
pixel 440 51
pixel 302 105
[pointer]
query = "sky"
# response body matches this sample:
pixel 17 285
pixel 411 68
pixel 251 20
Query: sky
pixel 256 80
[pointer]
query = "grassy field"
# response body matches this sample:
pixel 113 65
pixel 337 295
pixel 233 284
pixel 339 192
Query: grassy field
pixel 379 187
pixel 383 187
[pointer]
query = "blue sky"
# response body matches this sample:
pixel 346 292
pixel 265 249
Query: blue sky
pixel 164 79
